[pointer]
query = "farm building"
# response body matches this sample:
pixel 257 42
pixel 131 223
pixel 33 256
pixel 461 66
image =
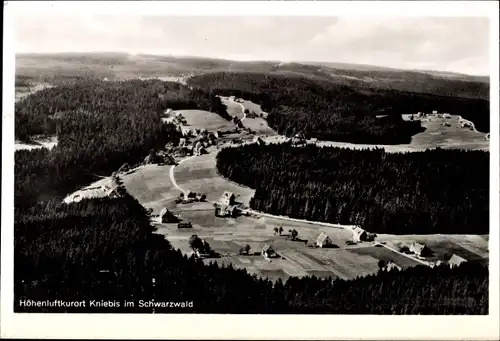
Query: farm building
pixel 323 240
pixel 446 115
pixel 392 266
pixel 227 199
pixel 268 251
pixel 186 131
pixel 184 225
pixel 455 261
pixel 419 249
pixel 167 217
pixel 251 114
pixel 434 112
pixel 225 211
pixel 360 235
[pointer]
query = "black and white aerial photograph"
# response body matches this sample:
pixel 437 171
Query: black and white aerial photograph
pixel 250 164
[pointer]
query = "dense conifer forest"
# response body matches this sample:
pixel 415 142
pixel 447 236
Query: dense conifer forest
pixel 100 126
pixel 329 111
pixel 105 249
pixel 438 191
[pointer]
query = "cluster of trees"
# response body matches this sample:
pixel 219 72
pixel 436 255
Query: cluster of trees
pixel 329 111
pixel 105 250
pixel 99 126
pixel 436 191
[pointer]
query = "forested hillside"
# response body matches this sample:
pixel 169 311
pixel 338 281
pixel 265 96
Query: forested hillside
pixel 104 249
pixel 99 125
pixel 438 191
pixel 329 111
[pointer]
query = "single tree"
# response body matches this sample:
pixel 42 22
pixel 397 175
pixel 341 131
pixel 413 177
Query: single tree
pixel 381 264
pixel 294 234
pixel 281 230
pixel 247 249
pixel 196 243
pixel 276 230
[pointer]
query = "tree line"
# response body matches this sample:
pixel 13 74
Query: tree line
pixel 100 126
pixel 105 250
pixel 329 111
pixel 436 191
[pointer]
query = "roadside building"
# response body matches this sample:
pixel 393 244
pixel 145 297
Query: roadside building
pixel 359 235
pixel 455 261
pixel 268 251
pixel 227 198
pixel 167 217
pixel 323 240
pixel 225 211
pixel 420 250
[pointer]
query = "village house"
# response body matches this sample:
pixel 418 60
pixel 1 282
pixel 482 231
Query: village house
pixel 227 198
pixel 420 250
pixel 323 240
pixel 455 261
pixel 268 251
pixel 392 266
pixel 167 217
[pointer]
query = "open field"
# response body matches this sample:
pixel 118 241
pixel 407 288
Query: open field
pixel 199 174
pixel 228 236
pixel 233 108
pixel 201 119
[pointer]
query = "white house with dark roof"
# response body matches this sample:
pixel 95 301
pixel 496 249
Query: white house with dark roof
pixel 455 261
pixel 323 240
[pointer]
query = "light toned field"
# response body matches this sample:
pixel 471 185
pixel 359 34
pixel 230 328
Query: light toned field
pixel 227 236
pixel 151 186
pixel 200 119
pixel 470 247
pixel 233 108
pixel 199 174
pixel 49 143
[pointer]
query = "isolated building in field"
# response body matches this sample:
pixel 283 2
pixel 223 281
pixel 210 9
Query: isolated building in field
pixel 228 198
pixel 359 235
pixel 268 251
pixel 392 266
pixel 226 211
pixel 258 140
pixel 92 193
pixel 323 240
pixel 446 115
pixel 434 112
pixel 167 217
pixel 455 261
pixel 420 250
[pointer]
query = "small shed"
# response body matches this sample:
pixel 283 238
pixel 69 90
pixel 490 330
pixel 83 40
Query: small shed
pixel 323 240
pixel 455 261
pixel 359 235
pixel 268 251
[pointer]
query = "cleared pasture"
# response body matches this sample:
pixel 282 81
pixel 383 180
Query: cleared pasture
pixel 201 119
pixel 199 174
